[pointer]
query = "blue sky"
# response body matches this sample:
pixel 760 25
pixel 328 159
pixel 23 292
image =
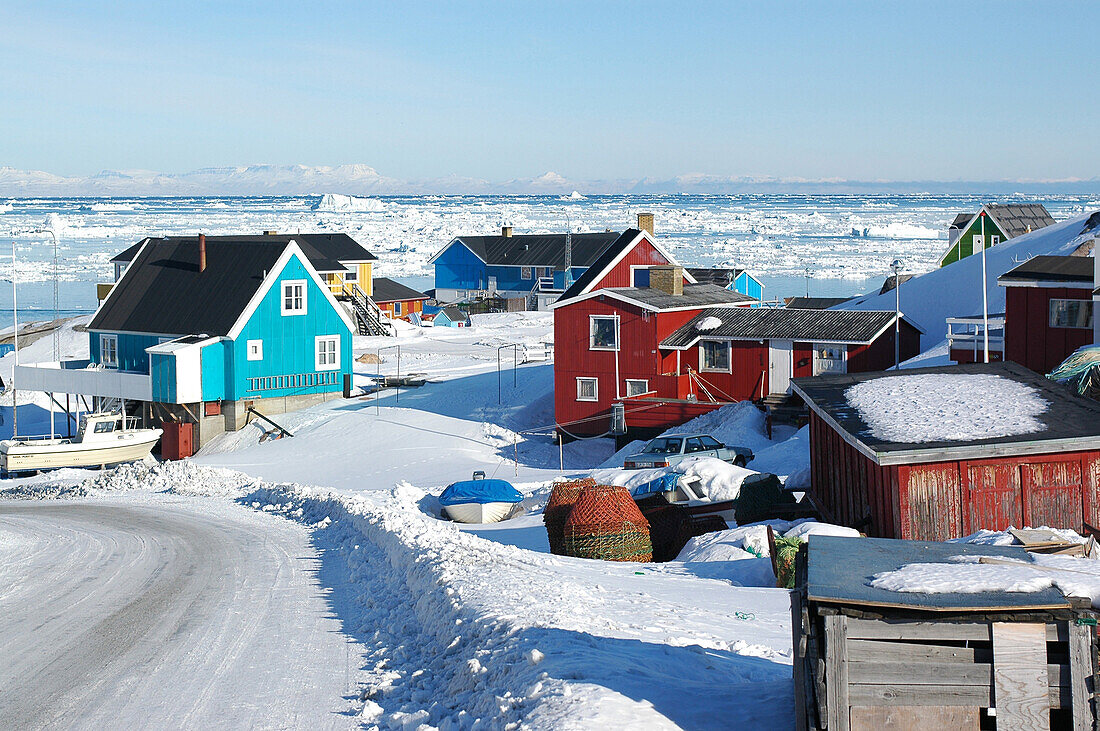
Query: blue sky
pixel 894 91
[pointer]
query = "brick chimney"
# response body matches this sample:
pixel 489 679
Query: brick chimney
pixel 202 252
pixel 645 222
pixel 668 279
pixel 506 231
pixel 271 233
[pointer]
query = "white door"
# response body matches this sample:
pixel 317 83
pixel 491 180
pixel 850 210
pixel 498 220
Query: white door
pixel 492 285
pixel 781 355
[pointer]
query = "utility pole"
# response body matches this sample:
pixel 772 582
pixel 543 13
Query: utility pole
pixel 896 266
pixel 985 293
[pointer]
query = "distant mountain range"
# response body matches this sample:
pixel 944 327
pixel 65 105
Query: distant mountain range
pixel 365 180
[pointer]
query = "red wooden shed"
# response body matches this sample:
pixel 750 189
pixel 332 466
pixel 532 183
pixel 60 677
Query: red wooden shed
pixel 1048 310
pixel 895 481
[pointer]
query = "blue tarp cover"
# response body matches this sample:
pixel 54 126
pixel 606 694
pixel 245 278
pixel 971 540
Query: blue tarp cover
pixel 480 491
pixel 664 483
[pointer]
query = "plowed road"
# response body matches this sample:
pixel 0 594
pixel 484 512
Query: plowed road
pixel 164 612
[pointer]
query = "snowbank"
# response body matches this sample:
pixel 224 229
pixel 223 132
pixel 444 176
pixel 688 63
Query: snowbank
pixel 751 541
pixel 347 203
pixel 942 407
pixel 740 424
pixel 789 459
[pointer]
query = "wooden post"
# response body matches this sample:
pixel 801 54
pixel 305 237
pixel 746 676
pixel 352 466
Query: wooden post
pixel 798 661
pixel 836 671
pixel 1020 682
pixel 1080 669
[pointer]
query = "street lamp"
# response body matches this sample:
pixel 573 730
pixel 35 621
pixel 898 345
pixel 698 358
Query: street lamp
pixel 808 273
pixel 56 310
pixel 896 266
pixel 985 292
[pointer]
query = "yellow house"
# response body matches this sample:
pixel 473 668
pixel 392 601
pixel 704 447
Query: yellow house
pixel 342 262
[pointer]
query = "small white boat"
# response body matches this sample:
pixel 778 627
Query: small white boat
pixel 480 501
pixel 103 439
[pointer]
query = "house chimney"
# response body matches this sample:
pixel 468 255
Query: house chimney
pixel 645 222
pixel 668 279
pixel 271 233
pixel 506 231
pixel 202 252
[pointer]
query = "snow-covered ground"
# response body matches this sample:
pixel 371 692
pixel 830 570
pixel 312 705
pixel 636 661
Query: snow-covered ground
pixel 463 626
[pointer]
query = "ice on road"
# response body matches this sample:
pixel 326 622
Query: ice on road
pixel 165 611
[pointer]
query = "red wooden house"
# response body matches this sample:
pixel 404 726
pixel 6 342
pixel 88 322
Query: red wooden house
pixel 397 300
pixel 669 352
pixel 1048 310
pixel 898 485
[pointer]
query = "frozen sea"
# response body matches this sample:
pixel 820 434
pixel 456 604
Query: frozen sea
pixel 830 245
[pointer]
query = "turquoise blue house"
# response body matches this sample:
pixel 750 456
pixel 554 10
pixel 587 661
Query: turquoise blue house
pixel 735 280
pixel 224 325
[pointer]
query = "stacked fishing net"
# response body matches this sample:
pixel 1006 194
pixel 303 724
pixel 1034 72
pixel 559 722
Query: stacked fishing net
pixel 605 523
pixel 558 507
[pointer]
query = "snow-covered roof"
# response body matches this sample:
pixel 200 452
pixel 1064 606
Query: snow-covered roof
pixel 948 413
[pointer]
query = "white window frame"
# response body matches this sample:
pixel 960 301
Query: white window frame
pixel 542 272
pixel 643 381
pixel 255 349
pixel 525 273
pixel 351 275
pixel 592 332
pixel 397 308
pixel 1084 303
pixel 595 388
pixel 994 240
pixel 977 242
pixel 288 284
pixel 634 268
pixel 321 358
pixel 703 367
pixel 103 340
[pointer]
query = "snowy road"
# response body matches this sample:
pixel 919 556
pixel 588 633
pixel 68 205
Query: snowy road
pixel 165 611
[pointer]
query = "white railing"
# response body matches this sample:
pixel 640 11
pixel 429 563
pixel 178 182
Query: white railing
pixel 81 377
pixel 965 333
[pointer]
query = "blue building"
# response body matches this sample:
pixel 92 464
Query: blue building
pixel 735 280
pixel 537 267
pixel 221 326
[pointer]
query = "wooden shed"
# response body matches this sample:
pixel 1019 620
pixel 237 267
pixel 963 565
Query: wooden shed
pixel 899 487
pixel 870 658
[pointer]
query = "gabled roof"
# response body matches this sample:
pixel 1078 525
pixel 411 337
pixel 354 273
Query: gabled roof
pixel 163 292
pixel 1070 422
pixel 961 219
pixel 536 250
pixel 655 300
pixel 454 313
pixel 610 257
pixel 324 251
pixel 1014 219
pixel 1067 269
pixel 387 290
pixel 814 303
pixel 780 323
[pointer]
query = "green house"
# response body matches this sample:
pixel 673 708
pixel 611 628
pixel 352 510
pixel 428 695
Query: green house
pixel 1002 222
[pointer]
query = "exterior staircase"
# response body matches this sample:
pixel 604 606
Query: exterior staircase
pixel 543 286
pixel 368 316
pixel 786 408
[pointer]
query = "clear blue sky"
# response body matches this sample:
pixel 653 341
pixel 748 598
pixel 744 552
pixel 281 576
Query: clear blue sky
pixel 591 90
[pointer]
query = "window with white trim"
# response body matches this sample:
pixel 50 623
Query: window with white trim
pixel 108 351
pixel 328 352
pixel 603 332
pixel 294 297
pixel 544 271
pixel 588 389
pixel 525 272
pixel 994 240
pixel 255 349
pixel 397 308
pixel 351 276
pixel 977 242
pixel 1071 313
pixel 636 387
pixel 714 356
pixel 639 276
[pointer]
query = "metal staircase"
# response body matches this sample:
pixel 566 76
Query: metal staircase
pixel 368 316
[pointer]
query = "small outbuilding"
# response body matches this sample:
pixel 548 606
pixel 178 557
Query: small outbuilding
pixel 939 453
pixel 451 316
pixel 868 658
pixel 397 300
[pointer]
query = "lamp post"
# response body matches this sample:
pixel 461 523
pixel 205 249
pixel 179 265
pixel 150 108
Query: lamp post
pixel 985 293
pixel 808 272
pixel 56 310
pixel 896 266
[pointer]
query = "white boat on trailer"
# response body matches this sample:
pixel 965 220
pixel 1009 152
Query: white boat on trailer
pixel 103 439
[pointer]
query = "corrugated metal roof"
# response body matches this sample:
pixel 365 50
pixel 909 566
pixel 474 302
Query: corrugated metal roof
pixel 539 250
pixel 695 295
pixel 163 292
pixel 1052 269
pixel 1069 418
pixel 324 251
pixel 387 290
pixel 815 303
pixel 781 323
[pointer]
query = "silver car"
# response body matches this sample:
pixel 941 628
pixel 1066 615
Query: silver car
pixel 674 448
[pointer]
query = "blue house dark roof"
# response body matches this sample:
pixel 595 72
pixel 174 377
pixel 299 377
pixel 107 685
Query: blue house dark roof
pixel 324 251
pixel 164 293
pixel 539 250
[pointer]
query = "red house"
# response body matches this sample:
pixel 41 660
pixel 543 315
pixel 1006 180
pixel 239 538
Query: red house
pixel 670 351
pixel 892 476
pixel 1048 310
pixel 397 300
